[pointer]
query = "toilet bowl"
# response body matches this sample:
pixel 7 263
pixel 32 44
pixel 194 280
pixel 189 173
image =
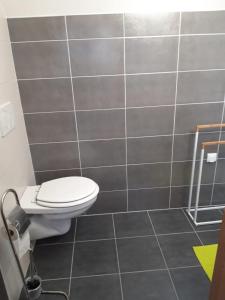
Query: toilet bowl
pixel 54 203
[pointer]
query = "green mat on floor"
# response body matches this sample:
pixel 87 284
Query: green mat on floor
pixel 207 256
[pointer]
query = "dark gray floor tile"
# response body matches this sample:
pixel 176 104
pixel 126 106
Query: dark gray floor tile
pixel 55 285
pixel 35 92
pixel 110 202
pixel 195 87
pixel 96 288
pixel 99 92
pixel 63 156
pixel 202 52
pixel 201 22
pixel 103 153
pixel 95 26
pixel 151 24
pixel 148 285
pixel 108 178
pixel 205 216
pixel 53 261
pixel 37 29
pixel 97 57
pixel 104 124
pixel 132 224
pixel 148 175
pixel 178 249
pixel 191 283
pixel 65 238
pixel 145 199
pixel 170 221
pixel 94 227
pixel 145 150
pixel 150 90
pixel 149 121
pixel 92 258
pixel 138 254
pixel 41 60
pixel 52 127
pixel 209 237
pixel 146 55
pixel 49 175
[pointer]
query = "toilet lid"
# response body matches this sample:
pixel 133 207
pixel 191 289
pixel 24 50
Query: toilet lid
pixel 66 189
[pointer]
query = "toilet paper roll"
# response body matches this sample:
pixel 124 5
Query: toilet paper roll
pixel 21 242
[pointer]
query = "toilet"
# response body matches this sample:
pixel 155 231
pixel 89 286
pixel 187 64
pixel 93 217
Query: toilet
pixel 54 203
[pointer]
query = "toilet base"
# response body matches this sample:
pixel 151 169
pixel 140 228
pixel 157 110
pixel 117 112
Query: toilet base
pixel 42 227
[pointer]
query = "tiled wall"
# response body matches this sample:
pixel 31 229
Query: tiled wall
pixel 116 97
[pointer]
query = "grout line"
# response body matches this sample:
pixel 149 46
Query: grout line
pixel 74 103
pixel 218 150
pixel 73 252
pixel 122 138
pixel 125 106
pixel 121 74
pixel 167 268
pixel 122 37
pixel 174 116
pixel 193 227
pixel 117 256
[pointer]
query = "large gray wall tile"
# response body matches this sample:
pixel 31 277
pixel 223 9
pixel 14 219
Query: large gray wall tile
pixel 149 175
pixel 149 90
pixel 37 29
pixel 144 199
pixel 145 150
pixel 51 127
pixel 182 172
pixel 202 52
pixel 184 144
pixel 103 153
pixel 149 121
pixel 108 178
pixel 41 60
pixel 145 55
pixel 203 22
pixel 49 175
pixel 55 156
pixel 188 116
pixel 46 95
pixel 219 194
pixel 220 171
pixel 99 92
pixel 109 202
pixel 96 57
pixel 102 124
pixel 95 26
pixel 205 86
pixel 179 196
pixel 151 24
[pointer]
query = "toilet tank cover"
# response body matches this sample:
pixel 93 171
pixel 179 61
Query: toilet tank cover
pixel 66 189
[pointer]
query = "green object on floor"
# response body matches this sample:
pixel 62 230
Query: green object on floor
pixel 207 256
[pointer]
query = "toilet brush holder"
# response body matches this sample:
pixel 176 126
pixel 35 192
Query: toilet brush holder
pixel 34 287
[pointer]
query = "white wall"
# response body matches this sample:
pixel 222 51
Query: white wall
pixel 20 8
pixel 16 170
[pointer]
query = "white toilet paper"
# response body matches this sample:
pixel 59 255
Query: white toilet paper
pixel 21 244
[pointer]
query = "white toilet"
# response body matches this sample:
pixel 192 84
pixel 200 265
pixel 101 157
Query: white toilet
pixel 54 203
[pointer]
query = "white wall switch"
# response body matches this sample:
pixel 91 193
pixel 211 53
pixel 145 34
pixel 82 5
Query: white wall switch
pixel 7 118
pixel 211 157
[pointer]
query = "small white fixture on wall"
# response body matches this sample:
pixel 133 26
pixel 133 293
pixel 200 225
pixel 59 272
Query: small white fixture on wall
pixel 7 118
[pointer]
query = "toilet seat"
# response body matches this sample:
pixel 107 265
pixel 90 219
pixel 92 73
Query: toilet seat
pixel 66 192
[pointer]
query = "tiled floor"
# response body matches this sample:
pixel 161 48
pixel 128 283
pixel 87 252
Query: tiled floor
pixel 126 256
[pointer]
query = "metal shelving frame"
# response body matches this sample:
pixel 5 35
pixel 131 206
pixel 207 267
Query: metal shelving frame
pixel 196 209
